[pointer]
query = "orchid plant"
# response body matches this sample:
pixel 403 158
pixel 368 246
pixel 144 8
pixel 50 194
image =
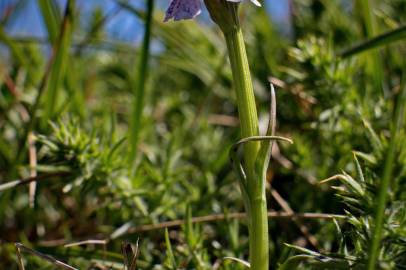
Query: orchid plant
pixel 251 170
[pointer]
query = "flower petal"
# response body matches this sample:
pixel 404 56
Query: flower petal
pixel 183 10
pixel 255 2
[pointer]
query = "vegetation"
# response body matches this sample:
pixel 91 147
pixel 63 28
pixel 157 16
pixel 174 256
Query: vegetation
pixel 122 157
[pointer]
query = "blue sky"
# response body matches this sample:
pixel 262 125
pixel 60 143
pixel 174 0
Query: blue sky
pixel 121 27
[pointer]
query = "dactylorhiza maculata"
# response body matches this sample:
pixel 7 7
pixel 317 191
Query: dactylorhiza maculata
pixel 251 175
pixel 189 9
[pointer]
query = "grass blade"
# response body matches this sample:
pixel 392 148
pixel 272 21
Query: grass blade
pixel 61 57
pixel 294 262
pixel 14 49
pixel 169 251
pixel 397 123
pixel 50 77
pixel 374 63
pixel 383 39
pixel 140 81
pixel 50 14
pixel 45 257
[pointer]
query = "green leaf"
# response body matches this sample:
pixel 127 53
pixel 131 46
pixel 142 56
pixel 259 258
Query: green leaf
pixel 14 49
pixel 383 39
pixel 242 262
pixel 59 65
pixel 294 262
pixel 360 174
pixel 50 14
pixel 189 231
pixel 169 251
pixel 140 81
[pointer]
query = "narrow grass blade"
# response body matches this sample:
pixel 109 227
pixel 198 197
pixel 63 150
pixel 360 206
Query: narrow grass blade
pixel 14 49
pixel 50 15
pixel 242 262
pixel 374 62
pixel 396 125
pixel 60 64
pixel 169 251
pixel 347 180
pixel 294 262
pixel 140 81
pixel 383 39
pixel 45 257
pixel 15 183
pixel 19 259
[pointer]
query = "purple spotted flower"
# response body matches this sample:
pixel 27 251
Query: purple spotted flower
pixel 183 9
pixel 189 9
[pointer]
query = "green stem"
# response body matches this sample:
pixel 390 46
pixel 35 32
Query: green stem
pixel 138 103
pixel 258 230
pixel 256 203
pixel 244 92
pixel 386 177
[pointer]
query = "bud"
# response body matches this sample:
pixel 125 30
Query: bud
pixel 224 14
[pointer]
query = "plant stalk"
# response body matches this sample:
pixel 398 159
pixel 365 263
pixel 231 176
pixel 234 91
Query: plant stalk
pixel 257 206
pixel 244 92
